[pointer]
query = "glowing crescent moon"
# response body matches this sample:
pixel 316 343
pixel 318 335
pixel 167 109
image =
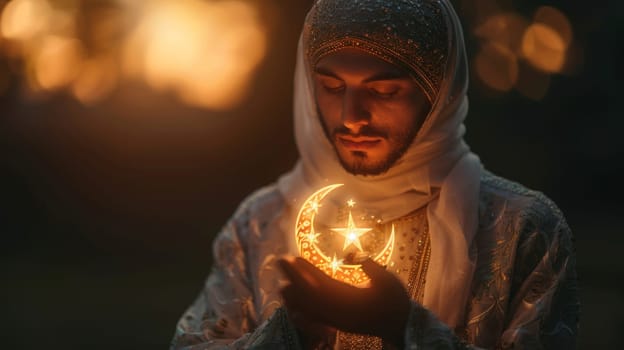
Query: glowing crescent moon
pixel 306 243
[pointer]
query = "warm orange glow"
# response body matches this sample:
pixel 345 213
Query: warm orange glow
pixel 43 36
pixel 520 54
pixel 556 20
pixel 97 78
pixel 24 19
pixel 57 61
pixel 204 51
pixel 497 66
pixel 544 48
pixel 351 233
pixel 504 29
pixel 307 239
pixel 107 26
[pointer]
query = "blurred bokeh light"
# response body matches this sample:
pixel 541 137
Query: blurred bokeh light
pixel 556 20
pixel 518 53
pixel 544 48
pixel 505 28
pixel 97 78
pixel 545 43
pixel 57 61
pixel 25 19
pixel 497 66
pixel 205 52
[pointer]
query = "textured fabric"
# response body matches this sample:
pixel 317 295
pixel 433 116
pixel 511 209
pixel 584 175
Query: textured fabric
pixel 438 170
pixel 410 34
pixel 523 294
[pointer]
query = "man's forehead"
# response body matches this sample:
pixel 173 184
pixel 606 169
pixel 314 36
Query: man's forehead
pixel 351 61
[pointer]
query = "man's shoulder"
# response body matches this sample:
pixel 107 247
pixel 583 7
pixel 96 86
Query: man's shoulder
pixel 500 196
pixel 262 201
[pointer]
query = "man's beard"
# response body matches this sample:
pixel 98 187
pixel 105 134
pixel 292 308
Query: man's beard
pixel 359 163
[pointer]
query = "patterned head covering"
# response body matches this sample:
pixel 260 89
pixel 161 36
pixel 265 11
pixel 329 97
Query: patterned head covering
pixel 412 35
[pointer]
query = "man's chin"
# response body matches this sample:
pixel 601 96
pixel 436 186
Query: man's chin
pixel 358 163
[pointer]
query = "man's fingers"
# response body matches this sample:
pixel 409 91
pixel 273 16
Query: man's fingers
pixel 310 270
pixel 298 276
pixel 374 270
pixel 322 280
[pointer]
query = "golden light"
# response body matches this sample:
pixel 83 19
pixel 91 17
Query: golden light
pixel 313 237
pixel 41 33
pixel 96 79
pixel 335 265
pixel 351 233
pixel 517 53
pixel 315 206
pixel 107 28
pixel 544 48
pixel 556 20
pixel 497 66
pixel 24 19
pixel 307 240
pixel 57 62
pixel 204 51
pixel 546 42
pixel 505 29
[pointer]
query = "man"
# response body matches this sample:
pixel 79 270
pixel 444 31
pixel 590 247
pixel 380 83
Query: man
pixel 479 262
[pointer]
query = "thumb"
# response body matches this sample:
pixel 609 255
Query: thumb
pixel 375 271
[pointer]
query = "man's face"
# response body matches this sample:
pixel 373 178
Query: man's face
pixel 370 109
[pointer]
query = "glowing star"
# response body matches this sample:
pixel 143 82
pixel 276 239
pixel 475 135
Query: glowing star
pixel 351 234
pixel 314 206
pixel 313 237
pixel 351 203
pixel 335 265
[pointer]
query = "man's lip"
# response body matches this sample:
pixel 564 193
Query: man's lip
pixel 359 143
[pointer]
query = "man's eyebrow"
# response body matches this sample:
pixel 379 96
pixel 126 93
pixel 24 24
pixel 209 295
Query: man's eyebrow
pixel 327 72
pixel 388 75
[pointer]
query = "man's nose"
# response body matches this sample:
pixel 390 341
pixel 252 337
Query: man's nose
pixel 354 112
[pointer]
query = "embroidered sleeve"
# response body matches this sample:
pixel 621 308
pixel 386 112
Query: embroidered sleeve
pixel 543 309
pixel 544 305
pixel 223 315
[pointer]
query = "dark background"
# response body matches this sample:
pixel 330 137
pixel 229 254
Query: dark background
pixel 107 212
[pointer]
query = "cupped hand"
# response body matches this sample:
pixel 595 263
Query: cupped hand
pixel 380 309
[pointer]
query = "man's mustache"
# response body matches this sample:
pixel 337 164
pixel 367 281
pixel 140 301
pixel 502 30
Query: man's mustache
pixel 365 131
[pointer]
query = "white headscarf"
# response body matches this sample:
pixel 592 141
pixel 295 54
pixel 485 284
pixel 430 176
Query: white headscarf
pixel 438 171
